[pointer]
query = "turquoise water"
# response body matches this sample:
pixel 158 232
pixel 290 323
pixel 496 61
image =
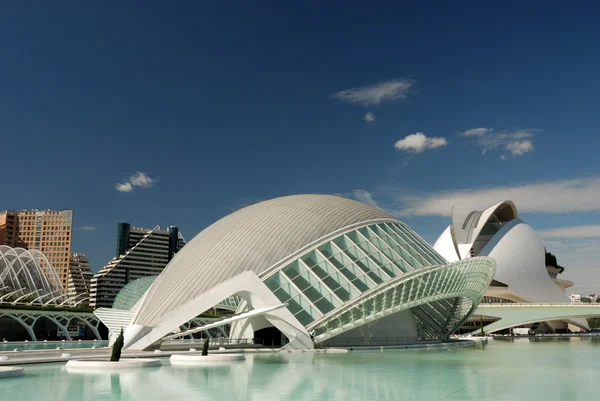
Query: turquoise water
pixel 39 345
pixel 523 369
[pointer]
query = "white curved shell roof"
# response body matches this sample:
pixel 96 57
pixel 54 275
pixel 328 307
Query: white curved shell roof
pixel 467 223
pixel 521 263
pixel 253 238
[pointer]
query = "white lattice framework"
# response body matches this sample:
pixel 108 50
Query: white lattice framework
pixel 456 289
pixel 62 320
pixel 28 275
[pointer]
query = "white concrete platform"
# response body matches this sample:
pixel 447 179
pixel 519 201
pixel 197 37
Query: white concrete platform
pixel 11 371
pixel 211 359
pixel 77 365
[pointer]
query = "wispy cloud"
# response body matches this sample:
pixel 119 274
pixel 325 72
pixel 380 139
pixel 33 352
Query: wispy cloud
pixel 475 132
pixel 86 228
pixel 139 179
pixel 364 197
pixel 369 117
pixel 418 143
pixel 516 142
pixel 396 89
pixel 563 196
pixel 589 231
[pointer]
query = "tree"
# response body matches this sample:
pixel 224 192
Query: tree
pixel 553 262
pixel 205 347
pixel 117 347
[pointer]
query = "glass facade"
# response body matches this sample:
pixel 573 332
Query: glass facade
pixel 440 298
pixel 349 265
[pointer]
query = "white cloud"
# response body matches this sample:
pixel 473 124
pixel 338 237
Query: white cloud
pixel 139 179
pixel 364 197
pixel 502 157
pixel 396 89
pixel 369 117
pixel 564 196
pixel 517 142
pixel 142 180
pixel 124 187
pixel 519 148
pixel 475 132
pixel 418 142
pixel 590 231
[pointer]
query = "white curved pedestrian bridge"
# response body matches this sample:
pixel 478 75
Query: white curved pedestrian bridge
pixel 517 314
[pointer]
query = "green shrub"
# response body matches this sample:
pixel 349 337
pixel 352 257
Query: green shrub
pixel 117 347
pixel 205 347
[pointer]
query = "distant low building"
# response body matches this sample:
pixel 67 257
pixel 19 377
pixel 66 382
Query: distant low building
pixel 140 252
pixel 576 299
pixel 80 276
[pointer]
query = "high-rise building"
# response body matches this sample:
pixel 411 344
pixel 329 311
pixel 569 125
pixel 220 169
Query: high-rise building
pixel 80 276
pixel 48 231
pixel 8 229
pixel 140 252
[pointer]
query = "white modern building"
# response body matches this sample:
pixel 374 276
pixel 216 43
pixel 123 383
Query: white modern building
pixel 80 276
pixel 521 273
pixel 310 269
pixel 140 252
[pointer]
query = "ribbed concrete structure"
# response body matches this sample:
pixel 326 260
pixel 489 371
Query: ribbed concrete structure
pixel 253 238
pixel 303 267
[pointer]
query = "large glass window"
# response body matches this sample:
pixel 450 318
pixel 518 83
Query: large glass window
pixel 330 276
pixel 286 293
pixel 311 287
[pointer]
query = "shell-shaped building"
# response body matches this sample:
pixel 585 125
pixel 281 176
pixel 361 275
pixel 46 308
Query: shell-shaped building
pixel 26 276
pixel 313 269
pixel 497 232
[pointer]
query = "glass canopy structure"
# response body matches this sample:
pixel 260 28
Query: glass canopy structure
pixel 334 264
pixel 369 272
pixel 26 277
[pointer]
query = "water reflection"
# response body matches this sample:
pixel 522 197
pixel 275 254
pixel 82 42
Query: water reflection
pixel 502 370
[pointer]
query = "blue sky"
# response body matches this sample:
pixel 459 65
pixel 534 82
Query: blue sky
pixel 219 106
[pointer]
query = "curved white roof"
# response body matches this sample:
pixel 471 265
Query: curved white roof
pixel 521 263
pixel 253 238
pixel 467 223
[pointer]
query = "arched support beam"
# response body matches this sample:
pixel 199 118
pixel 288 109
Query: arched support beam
pixel 24 296
pixel 93 328
pixel 28 328
pixel 6 296
pixel 55 298
pixel 512 315
pixel 249 287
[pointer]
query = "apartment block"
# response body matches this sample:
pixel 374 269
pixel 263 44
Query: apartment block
pixel 80 277
pixel 140 252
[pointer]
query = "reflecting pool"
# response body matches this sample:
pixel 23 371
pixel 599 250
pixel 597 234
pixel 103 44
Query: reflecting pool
pixel 556 369
pixel 39 345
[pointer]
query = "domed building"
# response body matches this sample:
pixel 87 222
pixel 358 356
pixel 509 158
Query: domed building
pixel 312 269
pixel 521 272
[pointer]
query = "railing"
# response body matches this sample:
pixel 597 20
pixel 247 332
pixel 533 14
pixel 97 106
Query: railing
pixel 224 341
pixel 335 341
pixel 539 304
